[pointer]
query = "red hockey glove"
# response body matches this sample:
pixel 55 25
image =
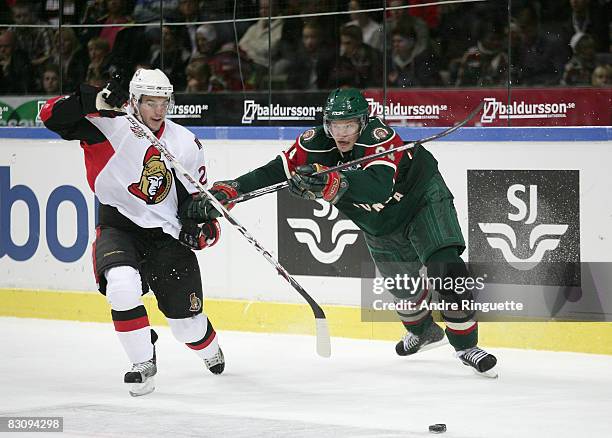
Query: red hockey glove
pixel 201 236
pixel 201 209
pixel 329 187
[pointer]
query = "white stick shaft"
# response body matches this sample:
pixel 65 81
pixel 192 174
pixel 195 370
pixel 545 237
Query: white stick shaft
pixel 140 130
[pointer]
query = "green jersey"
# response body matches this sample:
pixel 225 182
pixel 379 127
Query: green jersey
pixel 383 194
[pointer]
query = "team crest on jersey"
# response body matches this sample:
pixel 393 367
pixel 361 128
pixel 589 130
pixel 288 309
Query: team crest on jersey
pixel 308 134
pixel 196 303
pixel 155 180
pixel 380 133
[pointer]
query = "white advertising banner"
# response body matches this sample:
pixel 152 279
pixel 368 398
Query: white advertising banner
pixel 548 197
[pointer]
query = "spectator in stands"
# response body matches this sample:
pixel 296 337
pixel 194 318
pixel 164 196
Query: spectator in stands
pixel 175 56
pixel 97 79
pixel 486 63
pixel 372 31
pixel 411 66
pixel 602 76
pixel 97 70
pixel 51 79
pixel 148 11
pixel 591 17
pixel 217 10
pixel 320 9
pixel 35 42
pixel 188 11
pixel 262 40
pixel 95 10
pixel 74 59
pixel 419 26
pixel 429 14
pixel 206 43
pixel 15 70
pixel 359 65
pixel 542 56
pixel 116 14
pixel 198 77
pixel 132 47
pixel 229 73
pixel 292 33
pixel 455 37
pixel 309 68
pixel 579 69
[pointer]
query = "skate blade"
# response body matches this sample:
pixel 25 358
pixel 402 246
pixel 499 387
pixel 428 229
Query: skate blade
pixel 442 342
pixel 139 389
pixel 491 374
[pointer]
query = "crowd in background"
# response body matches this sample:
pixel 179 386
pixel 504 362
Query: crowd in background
pixel 545 43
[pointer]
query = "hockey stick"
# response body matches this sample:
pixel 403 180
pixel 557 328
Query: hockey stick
pixel 407 145
pixel 322 329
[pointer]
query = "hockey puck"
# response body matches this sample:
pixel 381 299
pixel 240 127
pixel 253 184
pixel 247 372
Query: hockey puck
pixel 437 428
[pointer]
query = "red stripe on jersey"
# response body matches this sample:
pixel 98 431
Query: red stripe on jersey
pixel 295 156
pixel 462 332
pixel 47 109
pixel 96 157
pixel 204 344
pixel 132 324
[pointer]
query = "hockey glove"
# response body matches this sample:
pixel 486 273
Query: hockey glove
pixel 305 184
pixel 199 236
pixel 112 98
pixel 201 209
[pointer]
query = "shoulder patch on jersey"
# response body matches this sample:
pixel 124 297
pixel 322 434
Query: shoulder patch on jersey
pixel 381 133
pixel 308 135
pixel 198 143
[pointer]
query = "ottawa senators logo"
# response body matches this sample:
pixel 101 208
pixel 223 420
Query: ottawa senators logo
pixel 196 303
pixel 155 181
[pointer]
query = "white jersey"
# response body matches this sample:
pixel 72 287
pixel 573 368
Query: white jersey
pixel 130 174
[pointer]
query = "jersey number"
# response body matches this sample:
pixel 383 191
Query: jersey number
pixel 292 153
pixel 382 149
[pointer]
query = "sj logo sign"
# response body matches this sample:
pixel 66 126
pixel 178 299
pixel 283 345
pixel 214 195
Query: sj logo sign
pixel 527 223
pixel 315 239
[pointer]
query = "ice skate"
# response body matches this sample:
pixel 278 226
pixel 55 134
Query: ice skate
pixel 432 337
pixel 141 374
pixel 480 361
pixel 141 377
pixel 216 363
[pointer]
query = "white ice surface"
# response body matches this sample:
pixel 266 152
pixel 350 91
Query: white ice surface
pixel 276 386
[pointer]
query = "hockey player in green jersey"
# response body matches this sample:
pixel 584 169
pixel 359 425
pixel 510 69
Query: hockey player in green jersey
pixel 399 201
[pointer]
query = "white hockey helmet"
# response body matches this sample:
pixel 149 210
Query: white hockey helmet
pixel 150 83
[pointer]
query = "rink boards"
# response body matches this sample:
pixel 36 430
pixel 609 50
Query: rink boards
pixel 47 216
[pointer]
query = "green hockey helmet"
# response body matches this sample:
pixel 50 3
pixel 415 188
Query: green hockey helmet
pixel 345 104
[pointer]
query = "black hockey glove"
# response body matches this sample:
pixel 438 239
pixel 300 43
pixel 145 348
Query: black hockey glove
pixel 201 209
pixel 199 236
pixel 112 98
pixel 329 187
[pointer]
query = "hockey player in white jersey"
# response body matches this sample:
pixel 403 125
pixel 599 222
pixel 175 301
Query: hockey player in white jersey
pixel 140 242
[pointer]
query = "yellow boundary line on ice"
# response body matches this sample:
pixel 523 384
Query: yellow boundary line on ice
pixel 344 321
